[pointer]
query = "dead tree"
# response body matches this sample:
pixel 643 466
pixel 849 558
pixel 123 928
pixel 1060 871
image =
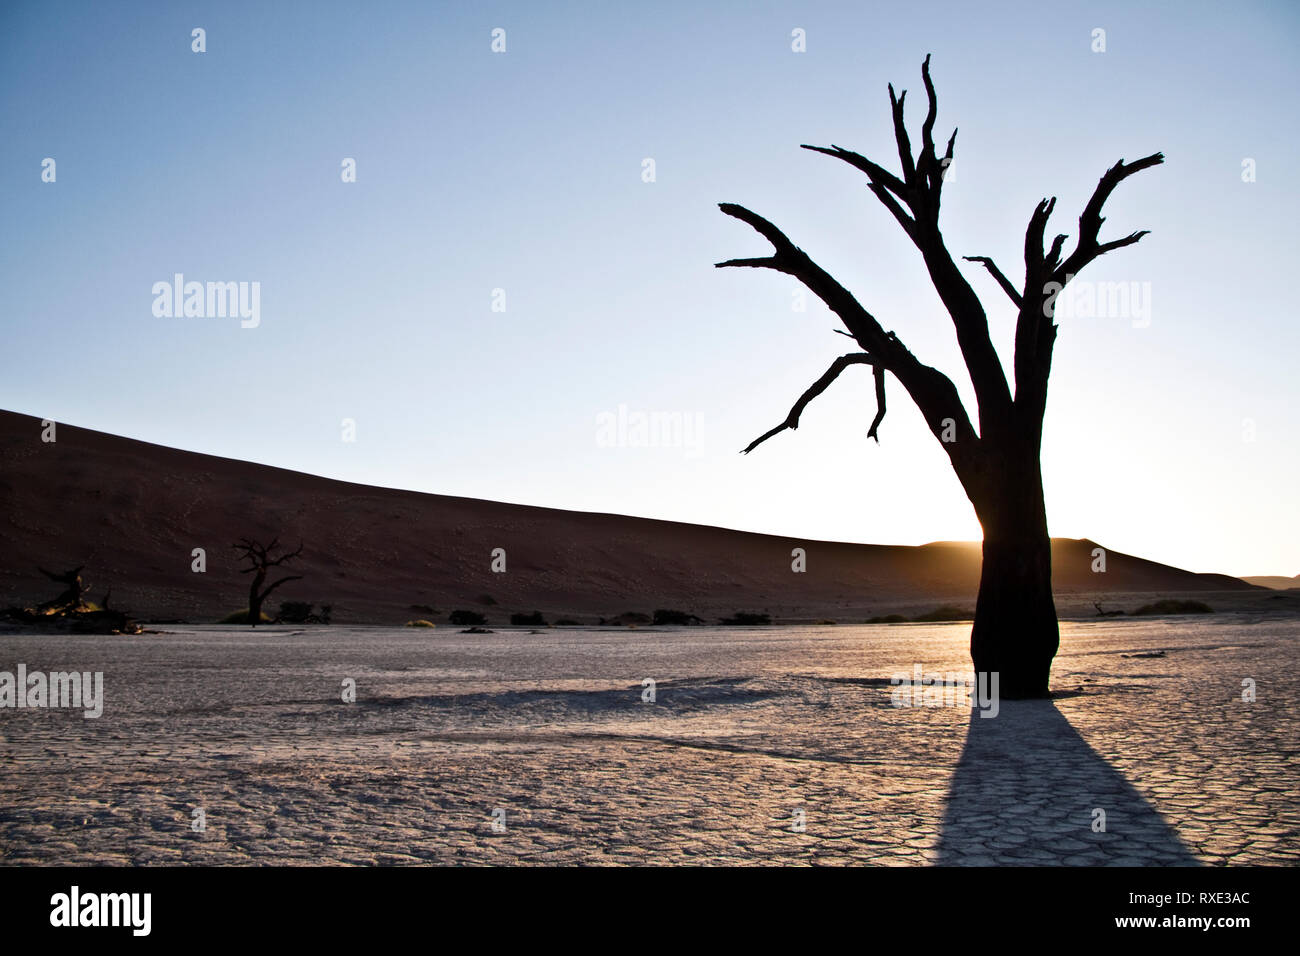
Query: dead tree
pixel 74 588
pixel 1015 630
pixel 260 561
pixel 70 610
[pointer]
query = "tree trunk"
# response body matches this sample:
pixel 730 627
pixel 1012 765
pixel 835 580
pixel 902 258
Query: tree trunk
pixel 1015 634
pixel 255 598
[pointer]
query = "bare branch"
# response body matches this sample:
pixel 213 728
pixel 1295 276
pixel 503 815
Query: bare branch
pixel 766 262
pixel 260 557
pixel 1091 219
pixel 919 189
pixel 934 393
pixel 901 137
pixel 1053 257
pixel 67 577
pixel 1035 332
pixel 930 168
pixel 927 127
pixel 1030 356
pixel 1046 274
pixel 1128 240
pixel 792 260
pixel 1034 260
pixel 876 172
pixel 267 592
pixel 250 551
pixel 780 242
pixel 792 420
pixel 288 556
pixel 879 373
pixel 887 187
pixel 947 159
pixel 908 223
pixel 1002 280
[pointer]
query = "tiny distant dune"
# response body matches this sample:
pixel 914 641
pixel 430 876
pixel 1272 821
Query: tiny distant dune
pixel 1273 581
pixel 132 513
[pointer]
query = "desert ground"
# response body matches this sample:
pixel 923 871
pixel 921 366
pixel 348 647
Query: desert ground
pixel 776 745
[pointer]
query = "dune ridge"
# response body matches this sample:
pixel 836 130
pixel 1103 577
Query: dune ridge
pixel 132 512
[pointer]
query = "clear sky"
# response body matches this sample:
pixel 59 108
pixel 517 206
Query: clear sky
pixel 523 171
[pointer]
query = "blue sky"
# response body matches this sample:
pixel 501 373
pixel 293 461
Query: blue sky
pixel 522 171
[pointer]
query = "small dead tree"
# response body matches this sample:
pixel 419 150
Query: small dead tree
pixel 74 588
pixel 1015 631
pixel 72 611
pixel 260 561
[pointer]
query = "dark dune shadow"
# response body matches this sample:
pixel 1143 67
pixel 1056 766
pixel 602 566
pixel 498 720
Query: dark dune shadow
pixel 1026 790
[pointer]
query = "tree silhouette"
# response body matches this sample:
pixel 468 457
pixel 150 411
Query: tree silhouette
pixel 260 561
pixel 71 609
pixel 73 594
pixel 1015 631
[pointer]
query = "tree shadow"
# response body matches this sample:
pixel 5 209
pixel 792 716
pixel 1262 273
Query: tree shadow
pixel 1027 791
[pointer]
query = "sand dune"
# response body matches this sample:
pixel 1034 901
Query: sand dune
pixel 132 512
pixel 1275 581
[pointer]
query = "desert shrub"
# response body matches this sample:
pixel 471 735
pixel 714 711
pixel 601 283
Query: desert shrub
pixel 664 616
pixel 462 618
pixel 948 612
pixel 627 617
pixel 294 612
pixel 745 619
pixel 241 617
pixel 826 621
pixel 420 623
pixel 300 612
pixel 1171 606
pixel 531 620
pixel 887 619
pixel 567 622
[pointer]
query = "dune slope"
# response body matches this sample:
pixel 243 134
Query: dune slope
pixel 133 512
